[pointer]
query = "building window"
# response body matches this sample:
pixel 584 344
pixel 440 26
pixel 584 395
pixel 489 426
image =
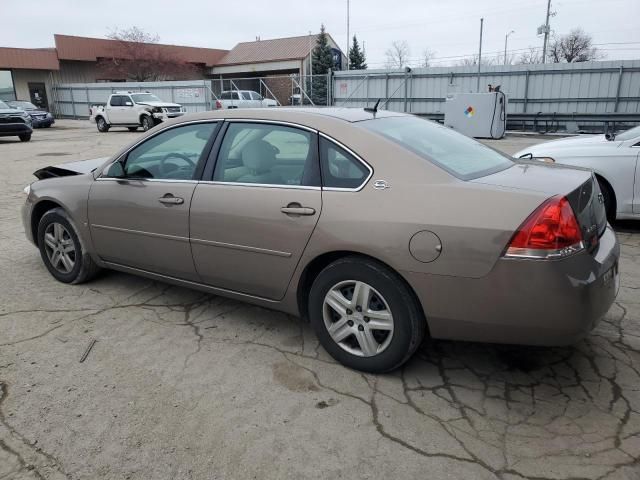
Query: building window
pixel 7 90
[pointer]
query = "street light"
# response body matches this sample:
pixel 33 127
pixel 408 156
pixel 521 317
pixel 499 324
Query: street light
pixel 506 37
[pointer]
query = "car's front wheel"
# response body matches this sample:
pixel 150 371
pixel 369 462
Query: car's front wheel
pixel 61 250
pixel 147 123
pixel 25 137
pixel 365 316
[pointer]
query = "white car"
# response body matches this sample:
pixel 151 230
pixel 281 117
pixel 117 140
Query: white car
pixel 243 99
pixel 613 158
pixel 133 110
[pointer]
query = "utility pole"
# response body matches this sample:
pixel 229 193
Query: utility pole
pixel 506 37
pixel 479 56
pixel 546 33
pixel 348 39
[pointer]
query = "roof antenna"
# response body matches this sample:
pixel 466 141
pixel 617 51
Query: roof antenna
pixel 373 110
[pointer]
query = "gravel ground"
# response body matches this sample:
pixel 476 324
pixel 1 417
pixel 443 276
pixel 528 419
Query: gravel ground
pixel 182 385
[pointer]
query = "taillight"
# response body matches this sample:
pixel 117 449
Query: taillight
pixel 551 231
pixel 218 104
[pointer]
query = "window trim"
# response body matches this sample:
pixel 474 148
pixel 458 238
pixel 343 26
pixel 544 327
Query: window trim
pixel 356 156
pixel 199 166
pixel 212 163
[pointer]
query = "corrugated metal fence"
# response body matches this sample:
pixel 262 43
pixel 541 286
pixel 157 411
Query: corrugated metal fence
pixel 73 100
pixel 590 87
pixel 581 92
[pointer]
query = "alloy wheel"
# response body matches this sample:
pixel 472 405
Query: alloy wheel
pixel 59 247
pixel 358 318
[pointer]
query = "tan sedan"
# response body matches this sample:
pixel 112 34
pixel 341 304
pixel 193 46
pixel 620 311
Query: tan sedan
pixel 377 227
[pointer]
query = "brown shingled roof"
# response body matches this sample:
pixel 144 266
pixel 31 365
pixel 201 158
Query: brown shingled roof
pixel 90 49
pixel 290 48
pixel 31 58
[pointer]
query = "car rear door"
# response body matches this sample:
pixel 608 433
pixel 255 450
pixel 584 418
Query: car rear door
pixel 141 220
pixel 250 223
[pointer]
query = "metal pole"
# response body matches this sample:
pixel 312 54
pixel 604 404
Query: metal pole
pixel 348 39
pixel 546 33
pixel 506 37
pixel 479 57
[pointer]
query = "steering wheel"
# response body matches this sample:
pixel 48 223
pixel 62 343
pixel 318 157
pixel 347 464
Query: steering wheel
pixel 162 167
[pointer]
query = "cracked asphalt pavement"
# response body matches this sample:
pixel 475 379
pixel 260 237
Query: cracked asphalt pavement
pixel 181 385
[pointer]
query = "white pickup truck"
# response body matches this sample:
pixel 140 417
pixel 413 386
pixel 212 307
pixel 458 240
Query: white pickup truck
pixel 243 99
pixel 133 110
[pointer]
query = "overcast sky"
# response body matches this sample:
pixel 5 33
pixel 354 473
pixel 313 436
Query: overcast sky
pixel 449 28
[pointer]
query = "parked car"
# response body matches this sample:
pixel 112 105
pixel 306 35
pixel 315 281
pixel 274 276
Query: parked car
pixel 14 123
pixel 39 117
pixel 377 227
pixel 133 110
pixel 613 158
pixel 243 99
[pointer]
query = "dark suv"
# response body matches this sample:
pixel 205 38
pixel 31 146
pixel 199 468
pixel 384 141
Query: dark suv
pixel 14 122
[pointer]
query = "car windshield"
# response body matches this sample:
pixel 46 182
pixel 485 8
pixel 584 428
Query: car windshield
pixel 23 105
pixel 461 156
pixel 4 105
pixel 144 97
pixel 629 134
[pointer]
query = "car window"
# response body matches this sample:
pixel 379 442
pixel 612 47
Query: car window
pixel 116 101
pixel 256 96
pixel 339 168
pixel 267 154
pixel 234 96
pixel 461 156
pixel 172 154
pixel 225 96
pixel 246 96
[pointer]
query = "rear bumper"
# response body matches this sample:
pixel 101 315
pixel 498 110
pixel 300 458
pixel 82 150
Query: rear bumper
pixel 529 302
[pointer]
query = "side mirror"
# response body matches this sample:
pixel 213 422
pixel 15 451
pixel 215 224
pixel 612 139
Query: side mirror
pixel 115 170
pixel 128 104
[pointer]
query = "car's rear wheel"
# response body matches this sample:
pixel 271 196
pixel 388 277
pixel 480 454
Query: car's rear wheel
pixel 147 123
pixel 61 250
pixel 365 316
pixel 609 199
pixel 102 124
pixel 25 137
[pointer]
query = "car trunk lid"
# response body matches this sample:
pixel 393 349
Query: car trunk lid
pixel 579 186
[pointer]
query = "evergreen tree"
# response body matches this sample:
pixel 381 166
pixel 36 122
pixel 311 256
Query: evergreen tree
pixel 322 57
pixel 322 61
pixel 357 60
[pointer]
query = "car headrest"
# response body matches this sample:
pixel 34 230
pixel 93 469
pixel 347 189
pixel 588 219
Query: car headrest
pixel 258 156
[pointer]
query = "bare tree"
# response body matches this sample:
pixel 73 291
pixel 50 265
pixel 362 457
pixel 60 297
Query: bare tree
pixel 398 54
pixel 473 60
pixel 427 56
pixel 577 46
pixel 136 55
pixel 529 57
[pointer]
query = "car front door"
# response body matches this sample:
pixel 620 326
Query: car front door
pixel 250 223
pixel 140 217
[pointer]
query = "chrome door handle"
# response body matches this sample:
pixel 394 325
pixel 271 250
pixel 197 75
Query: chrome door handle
pixel 297 209
pixel 171 200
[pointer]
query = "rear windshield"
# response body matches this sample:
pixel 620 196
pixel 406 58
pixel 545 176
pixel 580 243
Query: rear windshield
pixel 461 156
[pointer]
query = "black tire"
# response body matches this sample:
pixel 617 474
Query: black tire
pixel 48 125
pixel 609 200
pixel 132 129
pixel 84 267
pixel 409 324
pixel 102 125
pixel 25 137
pixel 147 123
